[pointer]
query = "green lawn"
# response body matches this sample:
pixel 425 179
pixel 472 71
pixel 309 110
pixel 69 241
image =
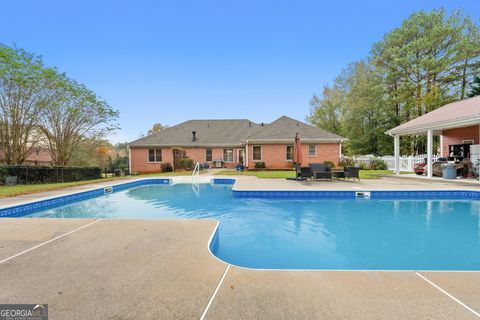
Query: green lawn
pixel 364 174
pixel 260 174
pixel 11 191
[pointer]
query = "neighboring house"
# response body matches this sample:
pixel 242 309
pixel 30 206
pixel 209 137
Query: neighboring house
pixel 38 156
pixel 457 124
pixel 234 142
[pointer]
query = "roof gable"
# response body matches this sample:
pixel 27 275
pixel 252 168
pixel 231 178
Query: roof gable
pixel 285 128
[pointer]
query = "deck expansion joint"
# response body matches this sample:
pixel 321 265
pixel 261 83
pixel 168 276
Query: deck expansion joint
pixel 215 293
pixel 449 295
pixel 48 241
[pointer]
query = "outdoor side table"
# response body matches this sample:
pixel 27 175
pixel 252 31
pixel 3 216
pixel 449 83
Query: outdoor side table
pixel 338 174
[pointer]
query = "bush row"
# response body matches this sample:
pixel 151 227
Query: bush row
pixel 37 174
pixel 373 164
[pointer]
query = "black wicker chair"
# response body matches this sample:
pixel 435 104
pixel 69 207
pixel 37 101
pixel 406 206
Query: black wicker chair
pixel 351 172
pixel 306 172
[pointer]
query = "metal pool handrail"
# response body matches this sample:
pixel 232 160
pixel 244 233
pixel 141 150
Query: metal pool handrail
pixel 196 171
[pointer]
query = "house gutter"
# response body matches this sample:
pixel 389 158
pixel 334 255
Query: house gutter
pixel 437 126
pixel 186 146
pixel 290 141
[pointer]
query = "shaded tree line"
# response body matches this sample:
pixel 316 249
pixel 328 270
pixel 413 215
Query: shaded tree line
pixel 430 60
pixel 40 105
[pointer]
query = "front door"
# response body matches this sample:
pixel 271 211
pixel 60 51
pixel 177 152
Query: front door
pixel 241 156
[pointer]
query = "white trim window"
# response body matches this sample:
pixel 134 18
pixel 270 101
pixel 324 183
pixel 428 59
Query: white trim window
pixel 312 150
pixel 257 153
pixel 154 155
pixel 208 155
pixel 289 153
pixel 228 155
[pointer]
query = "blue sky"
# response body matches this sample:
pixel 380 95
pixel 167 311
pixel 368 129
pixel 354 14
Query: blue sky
pixel 170 61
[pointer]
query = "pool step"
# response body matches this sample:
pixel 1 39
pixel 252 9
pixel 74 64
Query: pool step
pixel 188 179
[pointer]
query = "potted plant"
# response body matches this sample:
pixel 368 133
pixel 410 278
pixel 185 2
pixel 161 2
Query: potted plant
pixel 419 168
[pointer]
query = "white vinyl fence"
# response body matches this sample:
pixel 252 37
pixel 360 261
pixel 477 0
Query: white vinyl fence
pixel 407 163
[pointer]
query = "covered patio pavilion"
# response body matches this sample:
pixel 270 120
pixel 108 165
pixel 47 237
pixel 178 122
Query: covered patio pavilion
pixel 456 123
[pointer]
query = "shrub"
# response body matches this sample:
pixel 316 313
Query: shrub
pixel 3 174
pixel 166 167
pixel 37 174
pixel 329 164
pixel 186 163
pixel 377 164
pixel 362 166
pixel 346 162
pixel 260 165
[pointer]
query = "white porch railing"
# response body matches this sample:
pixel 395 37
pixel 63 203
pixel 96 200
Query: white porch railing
pixel 407 163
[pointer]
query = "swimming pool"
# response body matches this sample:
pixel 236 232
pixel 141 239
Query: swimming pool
pixel 340 232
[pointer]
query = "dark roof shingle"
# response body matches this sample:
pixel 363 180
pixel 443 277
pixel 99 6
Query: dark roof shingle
pixel 208 133
pixel 230 133
pixel 286 128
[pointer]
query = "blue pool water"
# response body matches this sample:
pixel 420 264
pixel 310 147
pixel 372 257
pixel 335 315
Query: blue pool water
pixel 308 233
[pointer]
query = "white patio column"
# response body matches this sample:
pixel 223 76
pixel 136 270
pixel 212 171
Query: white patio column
pixel 129 160
pixel 396 149
pixel 429 152
pixel 246 154
pixel 441 144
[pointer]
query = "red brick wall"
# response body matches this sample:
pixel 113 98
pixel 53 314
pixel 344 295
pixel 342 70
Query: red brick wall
pixel 198 155
pixel 455 136
pixel 139 158
pixel 274 155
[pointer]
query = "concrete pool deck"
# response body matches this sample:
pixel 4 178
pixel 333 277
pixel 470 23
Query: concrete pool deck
pixel 385 183
pixel 128 269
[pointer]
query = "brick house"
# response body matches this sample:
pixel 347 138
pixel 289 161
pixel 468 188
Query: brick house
pixel 238 141
pixel 37 156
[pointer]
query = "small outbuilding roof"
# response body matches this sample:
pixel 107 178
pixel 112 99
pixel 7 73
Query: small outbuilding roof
pixel 453 115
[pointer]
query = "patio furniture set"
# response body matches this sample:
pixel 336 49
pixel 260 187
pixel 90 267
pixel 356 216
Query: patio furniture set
pixel 321 171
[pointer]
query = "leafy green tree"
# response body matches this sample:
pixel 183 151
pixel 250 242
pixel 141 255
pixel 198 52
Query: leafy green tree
pixel 23 97
pixel 468 53
pixel 475 88
pixel 366 116
pixel 423 64
pixel 74 113
pixel 38 103
pixel 156 128
pixel 326 112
